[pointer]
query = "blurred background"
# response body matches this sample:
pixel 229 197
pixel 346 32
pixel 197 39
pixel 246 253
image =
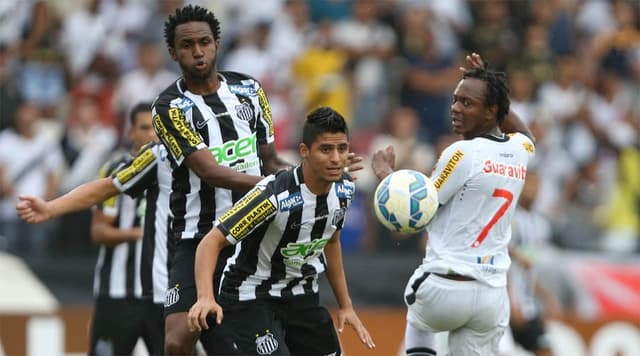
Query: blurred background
pixel 70 71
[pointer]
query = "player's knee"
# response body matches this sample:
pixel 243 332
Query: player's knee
pixel 174 345
pixel 420 351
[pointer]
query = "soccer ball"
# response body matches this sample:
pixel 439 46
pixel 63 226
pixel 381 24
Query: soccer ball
pixel 405 201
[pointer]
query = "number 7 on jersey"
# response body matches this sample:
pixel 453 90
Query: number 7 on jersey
pixel 498 193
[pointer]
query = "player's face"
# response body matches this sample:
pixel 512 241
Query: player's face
pixel 470 116
pixel 142 131
pixel 327 156
pixel 195 50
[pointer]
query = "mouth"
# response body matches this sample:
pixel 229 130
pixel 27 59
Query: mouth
pixel 335 170
pixel 456 122
pixel 200 65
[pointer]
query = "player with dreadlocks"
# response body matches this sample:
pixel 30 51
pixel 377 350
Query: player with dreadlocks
pixel 460 286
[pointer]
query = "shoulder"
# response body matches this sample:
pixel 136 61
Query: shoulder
pixel 345 188
pixel 237 77
pixel 523 141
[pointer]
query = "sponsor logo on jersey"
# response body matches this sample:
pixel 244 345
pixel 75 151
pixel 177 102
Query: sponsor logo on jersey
pixel 485 259
pixel 266 344
pixel 338 216
pixel 185 104
pixel 251 219
pixel 292 201
pixel 172 296
pixel 139 164
pixel 180 123
pixel 528 147
pixel 505 169
pixel 168 139
pixel 297 254
pixel 234 150
pixel 243 89
pixel 244 111
pixel 345 191
pixel 241 204
pixel 448 169
pixel 266 109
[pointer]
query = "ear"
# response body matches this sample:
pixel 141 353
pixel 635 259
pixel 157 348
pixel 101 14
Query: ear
pixel 304 150
pixel 491 113
pixel 172 53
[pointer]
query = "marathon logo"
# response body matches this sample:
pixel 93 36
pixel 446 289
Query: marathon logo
pixel 252 219
pixel 245 89
pixel 139 164
pixel 292 201
pixel 180 123
pixel 345 191
pixel 266 109
pixel 448 169
pixel 504 169
pixel 168 139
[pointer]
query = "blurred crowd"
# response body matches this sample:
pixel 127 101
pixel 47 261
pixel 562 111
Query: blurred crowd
pixel 71 70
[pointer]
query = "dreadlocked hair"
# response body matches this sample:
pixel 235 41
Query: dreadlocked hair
pixel 189 13
pixel 497 89
pixel 321 120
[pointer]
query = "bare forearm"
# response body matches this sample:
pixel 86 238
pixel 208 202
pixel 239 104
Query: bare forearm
pixel 205 264
pixel 512 123
pixel 108 235
pixel 83 197
pixel 335 273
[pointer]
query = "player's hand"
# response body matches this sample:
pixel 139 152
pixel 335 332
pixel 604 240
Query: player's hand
pixel 475 61
pixel 197 318
pixel 383 162
pixel 354 164
pixel 349 316
pixel 33 209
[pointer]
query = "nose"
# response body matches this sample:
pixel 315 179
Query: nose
pixel 455 106
pixel 197 51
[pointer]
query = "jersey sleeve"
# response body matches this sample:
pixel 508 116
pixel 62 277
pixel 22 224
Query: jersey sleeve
pixel 451 171
pixel 257 207
pixel 346 192
pixel 139 174
pixel 265 130
pixel 175 132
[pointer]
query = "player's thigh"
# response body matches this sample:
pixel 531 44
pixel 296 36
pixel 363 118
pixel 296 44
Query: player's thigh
pixel 116 327
pixel 310 331
pixel 438 304
pixel 153 335
pixel 482 334
pixel 181 294
pixel 254 328
pixel 218 340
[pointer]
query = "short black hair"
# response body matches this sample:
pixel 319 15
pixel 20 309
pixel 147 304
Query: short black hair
pixel 190 13
pixel 321 120
pixel 497 92
pixel 138 108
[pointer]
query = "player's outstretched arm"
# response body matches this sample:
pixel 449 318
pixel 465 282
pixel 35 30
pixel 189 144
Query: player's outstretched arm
pixel 338 282
pixel 206 259
pixel 36 210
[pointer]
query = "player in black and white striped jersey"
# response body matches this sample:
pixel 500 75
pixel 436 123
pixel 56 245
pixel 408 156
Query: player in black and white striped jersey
pixel 286 231
pixel 147 271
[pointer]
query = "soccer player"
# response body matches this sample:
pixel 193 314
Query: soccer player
pixel 147 173
pixel 461 285
pixel 286 231
pixel 219 134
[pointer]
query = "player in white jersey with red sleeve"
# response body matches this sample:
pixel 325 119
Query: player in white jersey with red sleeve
pixel 460 286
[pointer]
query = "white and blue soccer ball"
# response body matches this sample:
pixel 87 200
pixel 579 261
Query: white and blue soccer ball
pixel 405 201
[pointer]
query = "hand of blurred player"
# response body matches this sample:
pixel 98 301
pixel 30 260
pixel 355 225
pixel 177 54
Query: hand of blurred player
pixel 197 318
pixel 383 162
pixel 475 61
pixel 349 316
pixel 354 164
pixel 33 209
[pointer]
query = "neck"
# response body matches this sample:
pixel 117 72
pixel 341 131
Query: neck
pixel 203 86
pixel 316 185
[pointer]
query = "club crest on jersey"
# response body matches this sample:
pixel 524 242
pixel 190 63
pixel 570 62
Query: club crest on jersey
pixel 184 104
pixel 172 296
pixel 266 344
pixel 292 201
pixel 338 216
pixel 344 191
pixel 244 111
pixel 243 89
